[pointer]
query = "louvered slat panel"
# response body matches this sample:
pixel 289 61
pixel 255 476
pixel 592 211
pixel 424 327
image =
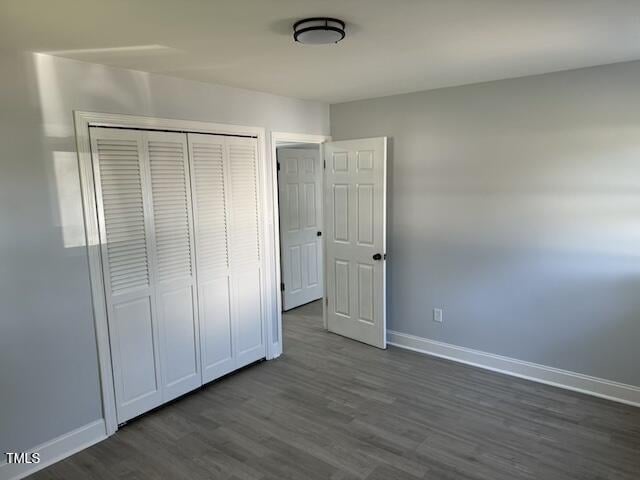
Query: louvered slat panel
pixel 170 209
pixel 244 199
pixel 209 187
pixel 121 185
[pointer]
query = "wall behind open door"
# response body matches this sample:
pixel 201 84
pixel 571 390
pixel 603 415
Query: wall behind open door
pixel 514 207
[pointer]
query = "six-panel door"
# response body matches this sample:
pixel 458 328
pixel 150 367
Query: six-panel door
pixel 300 193
pixel 355 213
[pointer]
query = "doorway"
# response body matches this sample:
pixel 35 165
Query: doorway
pixel 300 199
pixel 332 231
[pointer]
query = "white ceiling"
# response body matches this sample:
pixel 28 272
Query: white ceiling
pixel 392 46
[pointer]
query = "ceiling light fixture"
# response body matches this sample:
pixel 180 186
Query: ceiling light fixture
pixel 318 31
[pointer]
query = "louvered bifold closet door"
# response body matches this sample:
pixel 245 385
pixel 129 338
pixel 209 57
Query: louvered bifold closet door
pixel 209 190
pixel 125 235
pixel 173 263
pixel 244 249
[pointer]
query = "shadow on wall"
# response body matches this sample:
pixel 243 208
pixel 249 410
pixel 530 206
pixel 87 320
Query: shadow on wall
pixel 390 238
pixel 59 136
pixel 47 340
pixel 518 218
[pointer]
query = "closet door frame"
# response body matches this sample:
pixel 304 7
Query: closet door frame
pixel 267 185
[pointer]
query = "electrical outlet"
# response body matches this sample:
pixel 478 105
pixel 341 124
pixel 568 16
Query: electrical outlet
pixel 437 315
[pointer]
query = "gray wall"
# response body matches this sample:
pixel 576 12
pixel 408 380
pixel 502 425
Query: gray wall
pixel 48 358
pixel 515 206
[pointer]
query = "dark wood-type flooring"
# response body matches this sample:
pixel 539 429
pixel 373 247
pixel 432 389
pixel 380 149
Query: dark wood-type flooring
pixel 332 408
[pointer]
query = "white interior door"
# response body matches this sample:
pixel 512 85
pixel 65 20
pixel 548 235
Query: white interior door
pixel 355 212
pixel 300 194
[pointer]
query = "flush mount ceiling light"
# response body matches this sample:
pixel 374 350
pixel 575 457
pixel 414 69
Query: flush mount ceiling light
pixel 318 31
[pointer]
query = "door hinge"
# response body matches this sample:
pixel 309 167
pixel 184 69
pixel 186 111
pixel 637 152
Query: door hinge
pixel 326 300
pixel 324 164
pixel 278 165
pixel 282 287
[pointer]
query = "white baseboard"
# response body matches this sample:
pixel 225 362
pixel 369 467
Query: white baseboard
pixel 55 450
pixel 599 387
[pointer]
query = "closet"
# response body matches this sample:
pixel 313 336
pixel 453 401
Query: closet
pixel 178 215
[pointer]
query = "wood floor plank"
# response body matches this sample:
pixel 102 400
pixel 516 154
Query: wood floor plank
pixel 331 408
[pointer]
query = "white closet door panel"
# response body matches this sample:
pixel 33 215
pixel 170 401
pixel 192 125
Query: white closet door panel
pixel 171 205
pixel 179 223
pixel 244 247
pixel 247 315
pixel 207 155
pixel 216 330
pixel 118 154
pixel 119 165
pixel 133 328
pixel 174 262
pixel 180 350
pixel 210 206
pixel 243 175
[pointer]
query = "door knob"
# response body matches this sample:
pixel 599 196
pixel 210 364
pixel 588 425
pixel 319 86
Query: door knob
pixel 377 256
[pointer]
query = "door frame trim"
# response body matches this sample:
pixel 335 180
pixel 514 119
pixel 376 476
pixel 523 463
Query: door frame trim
pixel 272 318
pixel 293 138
